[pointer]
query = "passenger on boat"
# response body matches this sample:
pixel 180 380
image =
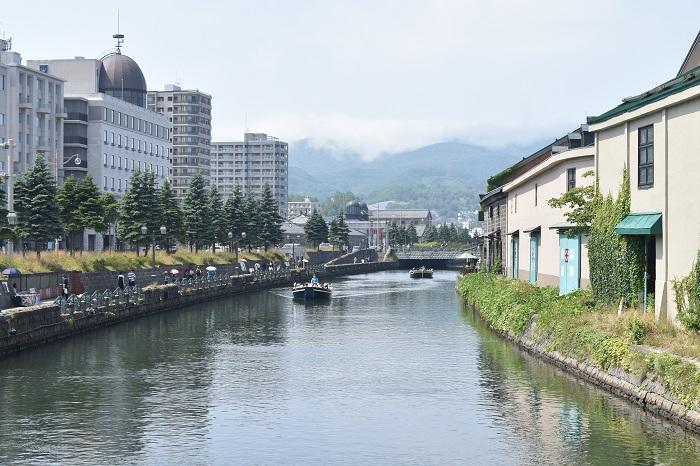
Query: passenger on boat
pixel 314 280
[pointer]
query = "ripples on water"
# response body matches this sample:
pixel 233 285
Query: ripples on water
pixel 390 371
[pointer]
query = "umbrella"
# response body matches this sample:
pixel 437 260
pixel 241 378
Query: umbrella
pixel 305 260
pixel 10 271
pixel 174 271
pixel 211 268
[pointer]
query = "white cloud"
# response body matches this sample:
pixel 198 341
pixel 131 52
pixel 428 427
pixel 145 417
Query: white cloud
pixel 371 137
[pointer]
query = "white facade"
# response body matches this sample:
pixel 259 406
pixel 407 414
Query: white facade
pixel 305 207
pixel 31 114
pixel 534 228
pixel 673 122
pixel 256 161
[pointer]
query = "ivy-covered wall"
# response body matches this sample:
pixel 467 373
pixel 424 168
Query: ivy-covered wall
pixel 616 262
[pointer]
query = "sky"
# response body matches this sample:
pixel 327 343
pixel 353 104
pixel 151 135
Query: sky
pixel 380 76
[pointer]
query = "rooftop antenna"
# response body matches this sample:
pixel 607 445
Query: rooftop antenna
pixel 119 37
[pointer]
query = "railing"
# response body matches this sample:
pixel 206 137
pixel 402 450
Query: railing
pixel 75 140
pixel 76 116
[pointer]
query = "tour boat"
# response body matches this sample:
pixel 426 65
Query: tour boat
pixel 421 273
pixel 309 292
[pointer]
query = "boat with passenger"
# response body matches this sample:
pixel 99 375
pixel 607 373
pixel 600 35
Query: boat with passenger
pixel 312 291
pixel 422 272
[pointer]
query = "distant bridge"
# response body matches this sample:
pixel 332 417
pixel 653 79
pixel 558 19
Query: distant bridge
pixel 440 258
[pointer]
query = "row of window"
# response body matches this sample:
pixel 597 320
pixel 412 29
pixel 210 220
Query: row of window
pixel 131 143
pixel 137 124
pixel 116 161
pixel 192 99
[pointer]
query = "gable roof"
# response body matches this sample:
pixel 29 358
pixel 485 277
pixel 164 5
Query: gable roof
pixel 692 59
pixel 673 86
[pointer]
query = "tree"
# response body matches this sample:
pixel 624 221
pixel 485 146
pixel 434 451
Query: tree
pixel 251 221
pixel 431 234
pixel 337 201
pixel 411 234
pixel 216 214
pixel 139 208
pixel 67 198
pixel 38 217
pixel 5 230
pixel 195 209
pixel 394 235
pixel 582 203
pixel 339 232
pixel 233 213
pixel 315 229
pixel 172 217
pixel 110 209
pixel 90 213
pixel 271 220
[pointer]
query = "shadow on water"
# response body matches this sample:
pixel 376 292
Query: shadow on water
pixel 570 421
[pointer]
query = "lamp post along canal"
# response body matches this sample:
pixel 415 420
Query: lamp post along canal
pixel 9 145
pixel 144 231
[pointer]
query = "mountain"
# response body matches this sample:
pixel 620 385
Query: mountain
pixel 445 177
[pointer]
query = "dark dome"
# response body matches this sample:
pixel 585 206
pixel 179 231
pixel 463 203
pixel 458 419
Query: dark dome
pixel 121 77
pixel 352 204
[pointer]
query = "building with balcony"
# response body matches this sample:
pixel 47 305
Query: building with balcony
pixel 31 113
pixel 256 161
pixel 189 111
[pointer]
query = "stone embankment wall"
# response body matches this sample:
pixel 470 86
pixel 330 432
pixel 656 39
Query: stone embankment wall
pixel 646 393
pixel 25 327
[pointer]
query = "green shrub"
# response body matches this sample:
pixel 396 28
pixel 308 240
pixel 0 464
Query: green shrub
pixel 687 291
pixel 637 329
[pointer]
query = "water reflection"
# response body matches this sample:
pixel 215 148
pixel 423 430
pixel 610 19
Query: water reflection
pixel 389 371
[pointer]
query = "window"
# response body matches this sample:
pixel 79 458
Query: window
pixel 104 116
pixel 105 182
pixel 491 212
pixel 112 162
pixel 133 164
pixel 2 82
pixel 2 119
pixel 106 139
pixel 112 184
pixel 120 162
pixel 646 157
pixel 515 203
pixel 120 184
pixel 570 179
pixel 112 137
pixel 126 163
pixel 104 159
pixel 120 140
pixel 535 193
pixel 111 116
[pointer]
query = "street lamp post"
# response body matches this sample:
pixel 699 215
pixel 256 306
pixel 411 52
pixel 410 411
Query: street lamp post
pixel 230 240
pixel 9 145
pixel 144 231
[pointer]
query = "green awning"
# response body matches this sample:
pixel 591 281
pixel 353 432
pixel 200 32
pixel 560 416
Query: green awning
pixel 640 224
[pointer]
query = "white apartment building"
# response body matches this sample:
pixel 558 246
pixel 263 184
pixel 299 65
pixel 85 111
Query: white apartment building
pixel 189 111
pixel 297 208
pixel 256 161
pixel 31 113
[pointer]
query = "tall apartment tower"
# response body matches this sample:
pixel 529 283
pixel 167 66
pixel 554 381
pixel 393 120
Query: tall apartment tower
pixel 190 113
pixel 31 113
pixel 251 164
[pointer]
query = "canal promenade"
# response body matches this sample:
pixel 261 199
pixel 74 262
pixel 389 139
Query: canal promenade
pixel 26 327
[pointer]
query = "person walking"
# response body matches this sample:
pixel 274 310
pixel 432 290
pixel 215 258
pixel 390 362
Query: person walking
pixel 198 272
pixel 64 289
pixel 120 280
pixel 132 278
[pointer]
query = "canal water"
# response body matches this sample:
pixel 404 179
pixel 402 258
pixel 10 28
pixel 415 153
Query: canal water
pixel 391 371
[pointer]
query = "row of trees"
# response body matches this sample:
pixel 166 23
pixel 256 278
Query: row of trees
pixel 448 234
pixel 336 232
pixel 204 219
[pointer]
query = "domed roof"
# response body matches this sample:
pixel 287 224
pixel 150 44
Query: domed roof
pixel 121 77
pixel 352 204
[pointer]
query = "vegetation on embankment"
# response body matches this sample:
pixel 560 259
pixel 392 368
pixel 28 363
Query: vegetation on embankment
pixel 574 326
pixel 113 261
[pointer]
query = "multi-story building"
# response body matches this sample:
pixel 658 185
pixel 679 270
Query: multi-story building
pixel 297 208
pixel 108 127
pixel 109 133
pixel 256 161
pixel 31 113
pixel 654 136
pixel 542 248
pixel 190 114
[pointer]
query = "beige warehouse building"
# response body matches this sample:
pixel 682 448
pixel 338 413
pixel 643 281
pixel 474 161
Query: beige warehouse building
pixel 540 246
pixel 655 134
